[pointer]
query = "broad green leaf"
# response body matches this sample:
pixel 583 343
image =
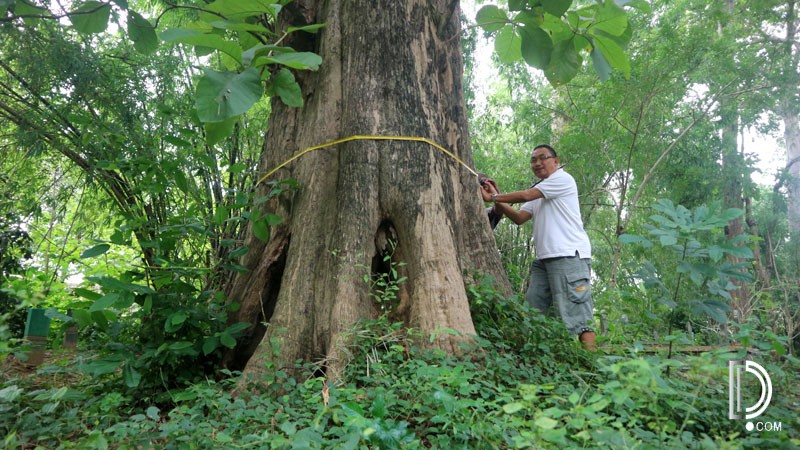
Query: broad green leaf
pixel 86 293
pixel 545 423
pixel 611 19
pixel 261 230
pixel 507 44
pixel 227 340
pixel 101 366
pixel 180 180
pixel 178 142
pixel 97 250
pixel 284 85
pixel 511 408
pixel 82 316
pixel 111 284
pixel 556 28
pixel 239 251
pixel 210 344
pixel 601 66
pixel 272 219
pixel 556 7
pixel 238 26
pixel 220 215
pixel 223 95
pixel 104 302
pixel 713 309
pixel 313 28
pixel 178 318
pixel 491 18
pixel 10 393
pixel 218 131
pixel 536 47
pixel 237 328
pixel 203 41
pixel 181 347
pixel 529 18
pixel 564 63
pixel 90 17
pixel 667 240
pixel 613 54
pixel 131 376
pixel 297 60
pixel 142 33
pixel 517 5
pixel 261 50
pixel 242 9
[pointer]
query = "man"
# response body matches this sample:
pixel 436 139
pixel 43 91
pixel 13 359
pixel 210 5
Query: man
pixel 560 275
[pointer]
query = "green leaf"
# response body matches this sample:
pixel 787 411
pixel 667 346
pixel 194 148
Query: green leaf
pixel 272 219
pixel 713 309
pixel 564 63
pixel 297 60
pixel 284 85
pixel 210 344
pixel 227 340
pixel 491 18
pixel 202 40
pixel 97 250
pixel 82 316
pixel 611 19
pixel 102 366
pixel 261 230
pixel 545 423
pixel 667 240
pixel 536 47
pixel 313 28
pixel 601 66
pixel 223 95
pixel 238 26
pixel 180 180
pixel 142 33
pixel 556 7
pixel 613 54
pixel 104 302
pixel 218 131
pixel 242 9
pixel 131 376
pixel 241 251
pixel 178 318
pixel 90 17
pixel 507 44
pixel 511 408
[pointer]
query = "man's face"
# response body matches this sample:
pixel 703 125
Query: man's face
pixel 543 163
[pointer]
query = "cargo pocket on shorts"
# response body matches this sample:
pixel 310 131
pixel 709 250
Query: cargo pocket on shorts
pixel 579 288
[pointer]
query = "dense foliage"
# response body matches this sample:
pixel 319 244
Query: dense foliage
pixel 125 192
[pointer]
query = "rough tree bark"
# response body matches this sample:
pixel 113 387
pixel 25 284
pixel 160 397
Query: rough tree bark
pixel 390 68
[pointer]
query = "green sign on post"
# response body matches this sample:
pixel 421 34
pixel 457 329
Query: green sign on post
pixel 36 330
pixel 38 325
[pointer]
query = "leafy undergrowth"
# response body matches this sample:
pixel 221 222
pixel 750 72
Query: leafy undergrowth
pixel 524 383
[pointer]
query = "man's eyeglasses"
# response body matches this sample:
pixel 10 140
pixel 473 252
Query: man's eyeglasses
pixel 541 158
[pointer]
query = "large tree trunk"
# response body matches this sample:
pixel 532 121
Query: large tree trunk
pixel 733 170
pixel 791 135
pixel 390 68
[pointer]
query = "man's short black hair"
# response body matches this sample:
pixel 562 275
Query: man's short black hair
pixel 549 149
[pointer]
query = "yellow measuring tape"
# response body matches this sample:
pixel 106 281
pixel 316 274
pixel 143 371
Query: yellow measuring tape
pixel 369 138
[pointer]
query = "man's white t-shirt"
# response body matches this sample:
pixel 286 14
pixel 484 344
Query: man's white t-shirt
pixel 557 225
